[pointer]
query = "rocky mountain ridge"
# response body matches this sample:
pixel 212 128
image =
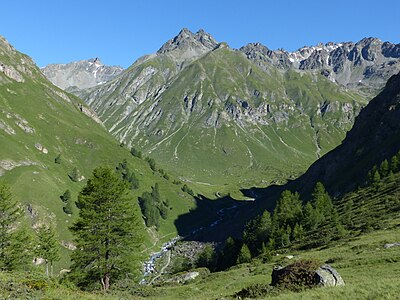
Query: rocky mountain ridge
pixel 365 64
pixel 196 91
pixel 79 75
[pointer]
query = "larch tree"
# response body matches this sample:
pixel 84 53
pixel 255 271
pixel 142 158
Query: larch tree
pixel 107 231
pixel 16 241
pixel 48 246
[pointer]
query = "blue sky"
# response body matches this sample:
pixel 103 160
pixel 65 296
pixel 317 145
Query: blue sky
pixel 120 31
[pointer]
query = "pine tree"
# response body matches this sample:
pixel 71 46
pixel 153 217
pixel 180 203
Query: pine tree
pixel 48 247
pixel 57 159
pixel 348 212
pixel 298 232
pixel 384 168
pixel 244 255
pixel 257 232
pixel 229 254
pixel 66 196
pixel 376 180
pixel 107 231
pixel 207 258
pixel 68 207
pixel 136 153
pixel 312 218
pixel 74 175
pixel 288 210
pixel 322 201
pixel 394 164
pixel 15 238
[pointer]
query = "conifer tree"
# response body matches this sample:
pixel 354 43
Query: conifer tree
pixel 48 247
pixel 288 210
pixel 15 238
pixel 107 231
pixel 66 196
pixel 394 164
pixel 311 217
pixel 376 180
pixel 384 168
pixel 207 258
pixel 322 201
pixel 244 255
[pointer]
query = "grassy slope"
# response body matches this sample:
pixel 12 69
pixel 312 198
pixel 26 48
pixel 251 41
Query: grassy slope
pixel 223 159
pixel 63 129
pixel 369 270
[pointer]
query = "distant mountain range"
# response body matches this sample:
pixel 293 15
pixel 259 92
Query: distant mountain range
pixel 249 116
pixel 79 75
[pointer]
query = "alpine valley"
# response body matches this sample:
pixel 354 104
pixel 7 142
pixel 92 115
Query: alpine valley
pixel 202 172
pixel 224 119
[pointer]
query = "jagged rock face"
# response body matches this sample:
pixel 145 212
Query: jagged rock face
pixel 199 105
pixel 80 75
pixel 366 64
pixel 265 57
pixel 187 46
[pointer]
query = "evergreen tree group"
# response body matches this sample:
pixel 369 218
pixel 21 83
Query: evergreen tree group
pixel 153 207
pixel 290 222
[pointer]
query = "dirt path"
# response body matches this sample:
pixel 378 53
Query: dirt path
pixel 162 269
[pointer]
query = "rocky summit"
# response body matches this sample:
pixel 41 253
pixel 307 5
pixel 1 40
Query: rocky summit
pixel 79 75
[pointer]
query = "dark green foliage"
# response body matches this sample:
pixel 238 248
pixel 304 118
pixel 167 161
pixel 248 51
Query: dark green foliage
pixel 394 164
pixel 107 232
pixel 163 211
pixel 177 182
pixel 229 254
pixel 256 291
pixel 207 258
pixel 376 180
pixel 68 208
pixel 127 175
pixel 298 232
pixel 15 239
pixel 257 232
pixel 348 212
pixel 152 163
pixel 57 160
pixel 153 207
pixel 288 210
pixel 384 168
pixel 48 246
pixel 186 189
pixel 66 196
pixel 136 153
pixel 322 201
pixel 244 255
pixel 312 218
pixel 74 175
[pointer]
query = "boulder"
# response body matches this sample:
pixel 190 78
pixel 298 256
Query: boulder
pixel 387 246
pixel 328 276
pixel 306 273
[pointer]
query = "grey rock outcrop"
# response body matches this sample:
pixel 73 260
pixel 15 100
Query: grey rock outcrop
pixel 367 63
pixel 387 246
pixel 187 46
pixel 79 75
pixel 328 276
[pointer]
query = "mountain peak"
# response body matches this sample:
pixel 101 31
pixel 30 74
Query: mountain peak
pixel 188 41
